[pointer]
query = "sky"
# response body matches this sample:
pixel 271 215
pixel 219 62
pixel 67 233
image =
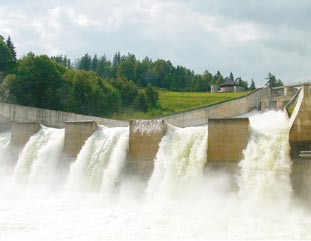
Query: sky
pixel 247 37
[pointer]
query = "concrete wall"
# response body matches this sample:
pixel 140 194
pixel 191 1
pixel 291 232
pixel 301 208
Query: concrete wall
pixel 275 103
pixel 227 138
pixel 225 110
pixel 144 139
pixel 76 133
pixel 51 118
pixel 268 104
pixel 301 179
pixel 21 132
pixel 300 121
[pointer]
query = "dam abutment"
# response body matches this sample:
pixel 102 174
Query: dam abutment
pixel 22 131
pixel 227 138
pixel 144 139
pixel 76 133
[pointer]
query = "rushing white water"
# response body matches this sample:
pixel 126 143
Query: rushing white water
pixel 38 160
pixel 266 168
pixel 180 159
pixel 208 209
pixel 100 160
pixel 6 156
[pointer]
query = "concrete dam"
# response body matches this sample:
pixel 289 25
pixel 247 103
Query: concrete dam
pixel 230 171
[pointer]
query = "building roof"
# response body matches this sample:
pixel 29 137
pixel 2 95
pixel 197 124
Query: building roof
pixel 227 82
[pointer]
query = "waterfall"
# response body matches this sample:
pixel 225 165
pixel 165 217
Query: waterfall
pixel 180 159
pixel 265 170
pixel 99 163
pixel 38 160
pixel 6 155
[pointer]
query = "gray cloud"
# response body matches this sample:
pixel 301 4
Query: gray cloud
pixel 249 38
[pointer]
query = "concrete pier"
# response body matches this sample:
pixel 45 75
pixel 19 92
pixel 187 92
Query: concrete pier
pixel 301 179
pixel 227 139
pixel 144 139
pixel 76 133
pixel 21 132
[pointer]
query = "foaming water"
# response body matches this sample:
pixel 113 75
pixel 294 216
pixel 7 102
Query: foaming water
pixel 37 163
pixel 194 203
pixel 6 156
pixel 180 160
pixel 266 168
pixel 100 161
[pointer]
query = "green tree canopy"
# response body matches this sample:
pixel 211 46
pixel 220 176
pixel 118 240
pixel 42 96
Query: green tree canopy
pixel 90 94
pixel 37 82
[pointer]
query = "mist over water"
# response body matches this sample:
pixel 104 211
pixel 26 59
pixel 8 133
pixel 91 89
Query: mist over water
pixel 182 199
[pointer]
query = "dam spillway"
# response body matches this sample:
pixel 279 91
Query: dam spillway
pixel 99 196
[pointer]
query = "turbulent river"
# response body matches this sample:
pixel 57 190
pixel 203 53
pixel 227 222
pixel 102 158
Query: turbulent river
pixel 94 199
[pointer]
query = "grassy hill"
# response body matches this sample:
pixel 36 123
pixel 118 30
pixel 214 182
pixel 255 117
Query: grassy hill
pixel 176 102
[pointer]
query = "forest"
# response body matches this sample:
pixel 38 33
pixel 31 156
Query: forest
pixel 95 85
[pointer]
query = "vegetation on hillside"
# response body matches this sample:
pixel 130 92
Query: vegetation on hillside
pixel 101 87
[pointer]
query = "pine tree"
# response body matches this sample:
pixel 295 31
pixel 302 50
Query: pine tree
pixel 94 63
pixel 5 58
pixel 11 46
pixel 252 86
pixel 231 76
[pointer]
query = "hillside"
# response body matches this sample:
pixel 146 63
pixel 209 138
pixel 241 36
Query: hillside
pixel 176 102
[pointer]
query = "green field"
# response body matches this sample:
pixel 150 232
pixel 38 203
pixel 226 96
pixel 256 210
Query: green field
pixel 176 102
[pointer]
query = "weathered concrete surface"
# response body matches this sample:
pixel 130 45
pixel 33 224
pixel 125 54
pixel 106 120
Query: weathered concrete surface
pixel 275 103
pixel 76 133
pixel 5 125
pixel 51 118
pixel 144 139
pixel 268 104
pixel 300 121
pixel 278 99
pixel 227 139
pixel 21 132
pixel 225 110
pixel 301 179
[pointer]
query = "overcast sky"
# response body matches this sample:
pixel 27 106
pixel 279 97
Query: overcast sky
pixel 250 38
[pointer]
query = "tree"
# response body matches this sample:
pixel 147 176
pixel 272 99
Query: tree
pixel 126 67
pixel 37 82
pixel 94 63
pixel 160 73
pixel 218 78
pixel 241 83
pixel 252 86
pixel 273 82
pixel 142 72
pixel 12 49
pixel 104 67
pixel 62 60
pixel 140 102
pixel 127 89
pixel 152 97
pixel 85 63
pixel 231 76
pixel 89 94
pixel 5 57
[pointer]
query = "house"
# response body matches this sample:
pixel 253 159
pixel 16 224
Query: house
pixel 228 85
